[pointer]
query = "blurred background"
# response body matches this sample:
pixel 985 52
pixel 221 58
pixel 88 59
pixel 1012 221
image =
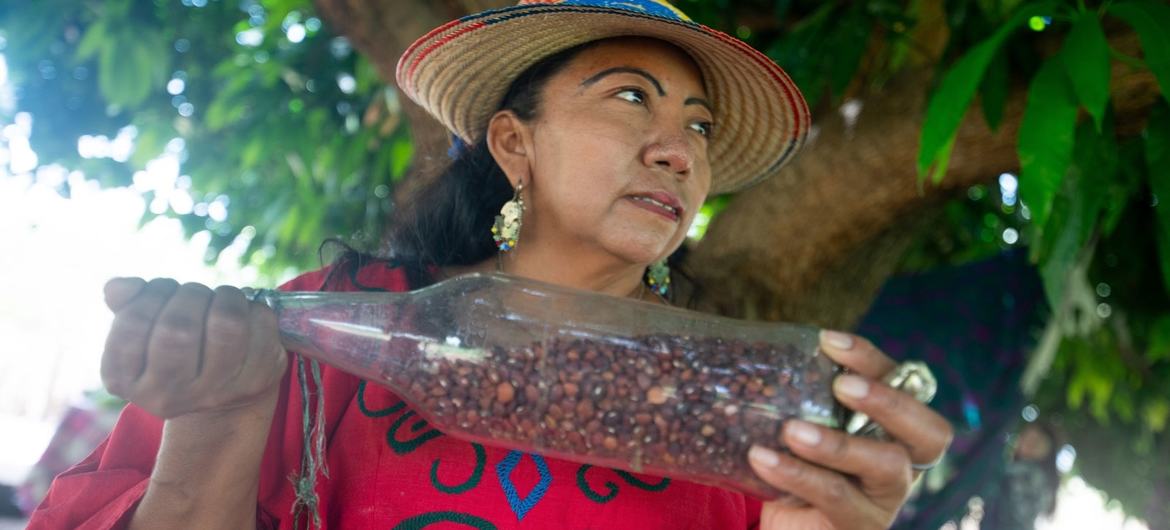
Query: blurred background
pixel 980 190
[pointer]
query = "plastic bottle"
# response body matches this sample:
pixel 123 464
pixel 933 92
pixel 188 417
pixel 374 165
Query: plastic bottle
pixel 596 379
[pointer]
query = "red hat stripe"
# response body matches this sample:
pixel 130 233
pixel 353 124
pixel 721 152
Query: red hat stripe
pixel 434 45
pixel 771 68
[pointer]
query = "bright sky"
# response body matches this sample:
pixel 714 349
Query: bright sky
pixel 57 254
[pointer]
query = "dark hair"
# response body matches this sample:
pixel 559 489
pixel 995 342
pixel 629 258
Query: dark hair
pixel 446 222
pixel 447 219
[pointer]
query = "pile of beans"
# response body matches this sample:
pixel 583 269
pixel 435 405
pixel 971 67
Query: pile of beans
pixel 653 403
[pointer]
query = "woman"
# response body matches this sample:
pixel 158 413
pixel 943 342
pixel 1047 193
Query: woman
pixel 596 131
pixel 1030 482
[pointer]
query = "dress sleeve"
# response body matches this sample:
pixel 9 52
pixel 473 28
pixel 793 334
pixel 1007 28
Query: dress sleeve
pixel 754 507
pixel 102 490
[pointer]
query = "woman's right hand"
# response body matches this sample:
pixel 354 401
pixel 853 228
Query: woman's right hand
pixel 175 350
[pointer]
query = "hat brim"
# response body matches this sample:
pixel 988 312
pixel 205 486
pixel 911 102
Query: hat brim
pixel 460 72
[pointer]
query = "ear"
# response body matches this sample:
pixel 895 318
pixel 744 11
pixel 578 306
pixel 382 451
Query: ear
pixel 509 141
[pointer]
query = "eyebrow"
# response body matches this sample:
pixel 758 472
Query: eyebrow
pixel 624 70
pixel 700 101
pixel 654 81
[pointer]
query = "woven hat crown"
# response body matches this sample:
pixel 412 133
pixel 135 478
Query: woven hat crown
pixel 645 7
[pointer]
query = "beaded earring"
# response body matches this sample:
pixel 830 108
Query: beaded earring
pixel 658 278
pixel 506 229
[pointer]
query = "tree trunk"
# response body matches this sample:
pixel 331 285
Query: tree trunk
pixel 814 243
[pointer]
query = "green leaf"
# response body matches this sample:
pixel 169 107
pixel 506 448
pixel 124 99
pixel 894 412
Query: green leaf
pixel 1151 20
pixel 994 90
pixel 1086 60
pixel 1156 413
pixel 949 103
pixel 1157 144
pixel 402 151
pixel 849 41
pixel 1075 210
pixel 253 152
pixel 944 159
pixel 148 145
pixel 93 41
pixel 1159 348
pixel 1094 172
pixel 1130 175
pixel 1046 138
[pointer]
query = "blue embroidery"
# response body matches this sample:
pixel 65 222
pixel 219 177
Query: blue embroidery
pixel 504 471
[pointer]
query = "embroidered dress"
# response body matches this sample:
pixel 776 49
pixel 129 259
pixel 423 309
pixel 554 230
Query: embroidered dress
pixel 389 469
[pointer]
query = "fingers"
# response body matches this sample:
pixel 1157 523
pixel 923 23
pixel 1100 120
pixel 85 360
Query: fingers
pixel 830 493
pixel 176 342
pixel 175 350
pixel 241 353
pixel 227 328
pixel 924 432
pixel 120 291
pixel 883 468
pixel 855 353
pixel 267 360
pixel 124 359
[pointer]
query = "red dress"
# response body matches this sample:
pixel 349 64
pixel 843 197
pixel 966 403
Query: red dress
pixel 390 469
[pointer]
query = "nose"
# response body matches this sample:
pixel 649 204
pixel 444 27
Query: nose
pixel 673 154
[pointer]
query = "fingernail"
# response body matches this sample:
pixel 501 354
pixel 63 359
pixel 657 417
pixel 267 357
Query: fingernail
pixel 836 339
pixel 764 457
pixel 851 386
pixel 804 433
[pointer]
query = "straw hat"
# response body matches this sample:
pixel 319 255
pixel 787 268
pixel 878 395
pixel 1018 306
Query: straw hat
pixel 459 72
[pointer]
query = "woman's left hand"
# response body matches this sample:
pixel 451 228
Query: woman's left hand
pixel 847 482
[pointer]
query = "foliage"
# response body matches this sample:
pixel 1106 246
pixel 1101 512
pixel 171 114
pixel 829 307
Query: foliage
pixel 1103 252
pixel 300 141
pixel 279 123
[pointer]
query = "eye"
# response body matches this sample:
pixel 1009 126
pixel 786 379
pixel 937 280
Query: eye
pixel 633 95
pixel 703 128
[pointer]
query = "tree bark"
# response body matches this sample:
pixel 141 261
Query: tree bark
pixel 816 242
pixel 795 247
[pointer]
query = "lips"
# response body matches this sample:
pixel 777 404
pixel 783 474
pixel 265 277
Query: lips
pixel 664 204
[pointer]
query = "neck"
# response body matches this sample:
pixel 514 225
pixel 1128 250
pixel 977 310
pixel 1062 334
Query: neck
pixel 603 274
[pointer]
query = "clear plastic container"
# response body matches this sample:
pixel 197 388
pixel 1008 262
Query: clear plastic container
pixel 596 379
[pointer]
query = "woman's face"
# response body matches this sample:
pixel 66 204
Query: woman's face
pixel 617 154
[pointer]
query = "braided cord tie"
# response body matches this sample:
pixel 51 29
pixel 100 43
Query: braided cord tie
pixel 313 447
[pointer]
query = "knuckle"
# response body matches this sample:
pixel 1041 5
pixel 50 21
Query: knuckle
pixel 135 321
pixel 116 385
pixel 892 400
pixel 895 463
pixel 836 489
pixel 837 445
pixel 227 325
pixel 228 291
pixel 178 330
pixel 796 470
pixel 946 434
pixel 119 364
pixel 170 368
pixel 263 315
pixel 162 284
pixel 197 288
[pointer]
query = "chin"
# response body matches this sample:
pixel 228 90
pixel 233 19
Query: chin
pixel 643 251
